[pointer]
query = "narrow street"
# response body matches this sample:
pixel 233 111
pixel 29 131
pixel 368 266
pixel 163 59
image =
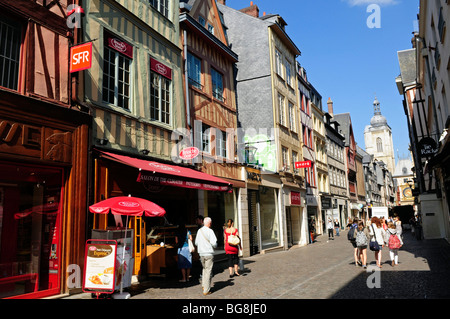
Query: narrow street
pixel 323 270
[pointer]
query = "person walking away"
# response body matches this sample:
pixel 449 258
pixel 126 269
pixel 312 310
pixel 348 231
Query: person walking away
pixel 377 234
pixel 206 241
pixel 330 228
pixel 398 225
pixel 336 226
pixel 394 242
pixel 351 236
pixel 362 241
pixel 184 255
pixel 232 250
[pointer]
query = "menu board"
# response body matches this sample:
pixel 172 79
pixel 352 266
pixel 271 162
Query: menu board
pixel 100 265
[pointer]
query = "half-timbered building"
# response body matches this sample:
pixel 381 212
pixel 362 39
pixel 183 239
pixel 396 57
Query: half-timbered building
pixel 211 108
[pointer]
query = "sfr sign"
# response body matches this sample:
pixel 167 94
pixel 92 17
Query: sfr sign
pixel 81 57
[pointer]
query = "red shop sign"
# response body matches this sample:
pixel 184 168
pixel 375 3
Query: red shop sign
pixel 296 199
pixel 189 153
pixel 80 57
pixel 306 164
pixel 160 68
pixel 118 44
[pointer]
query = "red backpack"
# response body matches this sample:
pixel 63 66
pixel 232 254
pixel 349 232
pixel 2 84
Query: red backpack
pixel 394 242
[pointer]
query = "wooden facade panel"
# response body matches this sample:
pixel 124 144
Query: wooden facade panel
pixel 51 65
pixel 126 134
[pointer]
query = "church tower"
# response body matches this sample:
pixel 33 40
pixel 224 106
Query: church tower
pixel 378 138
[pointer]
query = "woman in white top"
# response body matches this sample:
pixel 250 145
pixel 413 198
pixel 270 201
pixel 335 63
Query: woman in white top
pixel 377 232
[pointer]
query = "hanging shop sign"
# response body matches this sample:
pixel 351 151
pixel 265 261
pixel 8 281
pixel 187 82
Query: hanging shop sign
pixel 189 153
pixel 305 164
pixel 428 147
pixel 81 57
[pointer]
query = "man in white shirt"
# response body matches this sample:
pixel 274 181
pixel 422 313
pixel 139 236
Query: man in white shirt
pixel 206 241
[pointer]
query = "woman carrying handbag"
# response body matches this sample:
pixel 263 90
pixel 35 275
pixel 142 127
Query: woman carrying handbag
pixel 377 234
pixel 232 246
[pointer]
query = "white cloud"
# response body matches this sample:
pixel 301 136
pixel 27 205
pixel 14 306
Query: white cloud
pixel 368 2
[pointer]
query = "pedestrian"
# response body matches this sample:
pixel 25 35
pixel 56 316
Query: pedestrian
pixel 184 255
pixel 336 226
pixel 231 249
pixel 383 223
pixel 398 225
pixel 351 236
pixel 362 241
pixel 330 228
pixel 206 241
pixel 377 234
pixel 199 221
pixel 394 242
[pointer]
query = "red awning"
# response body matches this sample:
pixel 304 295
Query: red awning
pixel 171 175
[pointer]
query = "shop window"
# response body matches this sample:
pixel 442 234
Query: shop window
pixel 270 230
pixel 10 39
pixel 30 213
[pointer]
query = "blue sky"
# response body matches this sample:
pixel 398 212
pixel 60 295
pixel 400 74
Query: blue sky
pixel 348 61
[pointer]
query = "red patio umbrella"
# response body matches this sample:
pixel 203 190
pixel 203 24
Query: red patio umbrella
pixel 128 206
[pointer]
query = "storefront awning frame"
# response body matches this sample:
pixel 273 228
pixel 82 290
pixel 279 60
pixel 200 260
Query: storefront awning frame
pixel 170 175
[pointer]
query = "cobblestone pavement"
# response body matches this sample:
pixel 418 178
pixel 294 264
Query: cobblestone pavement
pixel 323 270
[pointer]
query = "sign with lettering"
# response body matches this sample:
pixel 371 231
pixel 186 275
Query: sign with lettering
pixel 428 147
pixel 160 68
pixel 305 164
pixel 296 199
pixel 80 57
pixel 100 266
pixel 118 44
pixel 189 153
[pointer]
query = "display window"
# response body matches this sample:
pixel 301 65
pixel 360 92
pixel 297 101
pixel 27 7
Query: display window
pixel 30 214
pixel 270 227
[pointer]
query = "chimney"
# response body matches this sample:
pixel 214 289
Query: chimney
pixel 224 2
pixel 330 106
pixel 253 10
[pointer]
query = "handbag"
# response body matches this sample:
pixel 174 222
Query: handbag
pixel 233 240
pixel 191 246
pixel 373 245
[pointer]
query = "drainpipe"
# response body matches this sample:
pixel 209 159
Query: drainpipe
pixel 186 83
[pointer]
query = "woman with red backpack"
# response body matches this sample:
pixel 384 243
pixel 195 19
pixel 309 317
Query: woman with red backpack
pixel 394 242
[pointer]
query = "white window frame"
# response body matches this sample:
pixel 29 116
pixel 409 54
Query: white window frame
pixel 217 84
pixel 162 6
pixel 164 114
pixel 117 56
pixel 281 109
pixel 194 71
pixel 222 138
pixel 279 63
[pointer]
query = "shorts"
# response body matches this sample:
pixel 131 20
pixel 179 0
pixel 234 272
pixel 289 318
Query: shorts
pixel 354 244
pixel 362 247
pixel 233 259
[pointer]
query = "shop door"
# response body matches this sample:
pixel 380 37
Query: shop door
pixel 289 227
pixel 253 200
pixel 140 238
